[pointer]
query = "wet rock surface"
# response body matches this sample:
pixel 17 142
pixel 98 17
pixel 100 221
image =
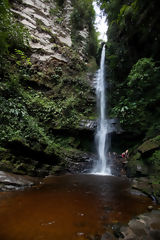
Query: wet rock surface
pixel 142 184
pixel 79 162
pixel 9 181
pixel 149 145
pixel 113 125
pixel 148 187
pixel 145 226
pixel 117 164
pixel 88 125
pixel 105 236
pixel 143 167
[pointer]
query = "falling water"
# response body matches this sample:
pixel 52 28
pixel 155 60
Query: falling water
pixel 102 140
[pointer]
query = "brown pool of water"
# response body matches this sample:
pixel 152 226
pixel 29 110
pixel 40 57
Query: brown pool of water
pixel 68 208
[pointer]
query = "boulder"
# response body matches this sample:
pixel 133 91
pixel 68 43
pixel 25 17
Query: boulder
pixel 145 226
pixel 145 160
pixel 136 168
pixel 9 181
pixel 150 145
pixel 142 184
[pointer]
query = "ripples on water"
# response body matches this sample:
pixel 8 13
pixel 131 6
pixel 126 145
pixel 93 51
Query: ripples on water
pixel 68 208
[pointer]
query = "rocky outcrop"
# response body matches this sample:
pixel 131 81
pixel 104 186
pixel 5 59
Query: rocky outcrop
pixel 46 34
pixel 19 158
pixel 144 166
pixel 144 185
pixel 88 125
pixel 9 181
pixel 113 125
pixel 145 159
pixel 150 145
pixel 50 28
pixel 145 226
pixel 79 162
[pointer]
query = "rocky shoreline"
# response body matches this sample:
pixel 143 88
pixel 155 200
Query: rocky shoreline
pixel 12 182
pixel 144 226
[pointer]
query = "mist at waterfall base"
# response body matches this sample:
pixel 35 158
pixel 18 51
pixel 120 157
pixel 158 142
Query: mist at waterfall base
pixel 102 140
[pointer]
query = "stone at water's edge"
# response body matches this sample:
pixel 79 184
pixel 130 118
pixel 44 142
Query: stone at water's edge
pixel 9 181
pixel 146 226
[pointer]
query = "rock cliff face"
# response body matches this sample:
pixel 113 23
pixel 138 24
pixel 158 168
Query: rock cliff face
pixel 50 28
pixel 36 16
pixel 42 131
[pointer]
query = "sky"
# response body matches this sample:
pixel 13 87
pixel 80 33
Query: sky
pixel 100 23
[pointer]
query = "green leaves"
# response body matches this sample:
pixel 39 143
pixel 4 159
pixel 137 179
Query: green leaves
pixel 12 34
pixel 83 14
pixel 139 94
pixel 24 60
pixel 142 74
pixel 82 18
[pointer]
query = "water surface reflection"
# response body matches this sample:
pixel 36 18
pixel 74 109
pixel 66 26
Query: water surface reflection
pixel 68 208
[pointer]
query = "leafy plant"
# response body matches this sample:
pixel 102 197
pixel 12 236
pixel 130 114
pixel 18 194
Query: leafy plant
pixel 12 34
pixel 23 59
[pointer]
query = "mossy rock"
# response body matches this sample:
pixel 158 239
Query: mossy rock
pixel 23 168
pixel 137 168
pixel 56 169
pixel 6 158
pixel 154 181
pixel 154 162
pixel 6 166
pixel 150 145
pixel 135 157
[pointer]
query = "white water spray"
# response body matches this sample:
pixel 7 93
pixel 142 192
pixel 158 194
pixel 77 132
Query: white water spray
pixel 102 140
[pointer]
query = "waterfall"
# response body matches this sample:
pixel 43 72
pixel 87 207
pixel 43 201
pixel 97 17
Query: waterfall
pixel 102 140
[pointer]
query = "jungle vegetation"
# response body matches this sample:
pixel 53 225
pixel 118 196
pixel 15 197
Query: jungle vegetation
pixel 29 114
pixel 133 61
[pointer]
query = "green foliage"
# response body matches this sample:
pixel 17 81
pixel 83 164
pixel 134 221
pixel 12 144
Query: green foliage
pixel 133 107
pixel 60 2
pixel 23 60
pixel 92 65
pixel 154 161
pixel 59 20
pixel 36 100
pixel 133 37
pixel 83 17
pixel 53 11
pixel 133 63
pixel 83 14
pixel 12 34
pixel 142 74
pixel 93 43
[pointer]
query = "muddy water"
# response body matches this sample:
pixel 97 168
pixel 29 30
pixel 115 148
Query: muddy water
pixel 68 208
